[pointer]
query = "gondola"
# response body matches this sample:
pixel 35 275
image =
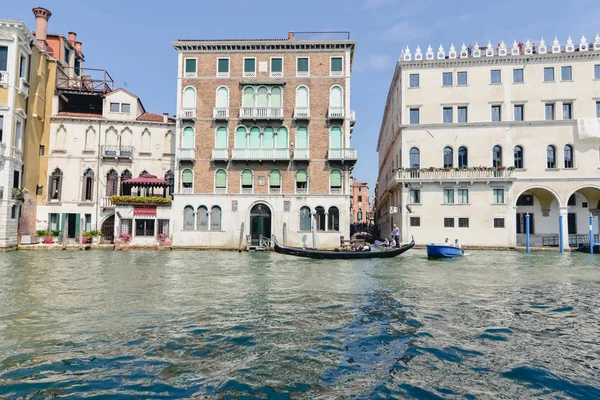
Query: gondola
pixel 585 248
pixel 340 255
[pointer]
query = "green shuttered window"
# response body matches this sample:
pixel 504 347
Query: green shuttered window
pixel 336 179
pixel 223 65
pixel 301 176
pixel 221 178
pixel 187 176
pixel 275 179
pixel 190 65
pixel 276 65
pixel 247 178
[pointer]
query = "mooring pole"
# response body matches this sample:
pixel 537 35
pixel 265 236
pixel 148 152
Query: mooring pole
pixel 561 239
pixel 591 233
pixel 527 233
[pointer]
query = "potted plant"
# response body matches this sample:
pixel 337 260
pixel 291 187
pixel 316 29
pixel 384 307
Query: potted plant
pixel 95 236
pixel 162 237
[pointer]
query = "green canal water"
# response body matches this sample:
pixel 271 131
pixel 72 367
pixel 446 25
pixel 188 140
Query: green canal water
pixel 227 325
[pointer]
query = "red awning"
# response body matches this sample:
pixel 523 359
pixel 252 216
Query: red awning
pixel 144 211
pixel 146 180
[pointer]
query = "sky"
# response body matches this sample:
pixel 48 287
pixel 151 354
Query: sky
pixel 132 38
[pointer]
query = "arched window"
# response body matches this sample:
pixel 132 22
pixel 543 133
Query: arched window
pixel 247 181
pixel 248 97
pixel 359 215
pixel 255 137
pixel 90 139
pixel 125 189
pixel 146 143
pixel 518 157
pixel 320 218
pixel 302 97
pixel 262 97
pixel 335 138
pixel 275 181
pixel 301 137
pixel 222 97
pixel 55 185
pixel 187 181
pixel 112 183
pixel 336 98
pixel 189 97
pixel 61 138
pixel 188 218
pixel 111 142
pixel 144 172
pixel 568 156
pixel 88 185
pixel 448 157
pixel 497 156
pixel 415 158
pixel 168 145
pixel 335 182
pixel 333 219
pixel 215 218
pixel 268 138
pixel 305 219
pixel 187 141
pixel 170 177
pixel 550 156
pixel 221 181
pixel 202 218
pixel 282 138
pixel 240 138
pixel 301 181
pixel 126 147
pixel 221 139
pixel 463 156
pixel 276 97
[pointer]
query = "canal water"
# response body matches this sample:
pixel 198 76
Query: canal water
pixel 228 325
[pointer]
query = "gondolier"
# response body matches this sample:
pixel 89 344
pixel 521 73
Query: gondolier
pixel 396 233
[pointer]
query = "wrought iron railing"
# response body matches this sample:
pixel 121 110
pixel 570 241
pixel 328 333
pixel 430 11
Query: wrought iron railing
pixel 84 79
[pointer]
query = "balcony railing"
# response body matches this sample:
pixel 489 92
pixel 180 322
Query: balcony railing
pixel 342 154
pixel 23 86
pixel 186 154
pixel 454 175
pixel 336 191
pixel 84 80
pixel 190 74
pixel 335 113
pixel 274 190
pixel 247 190
pixel 301 113
pixel 260 154
pixel 301 154
pixel 187 190
pixel 115 151
pixel 220 113
pixel 301 190
pixel 261 112
pixel 3 78
pixel 221 190
pixel 107 203
pixel 220 154
pixel 187 113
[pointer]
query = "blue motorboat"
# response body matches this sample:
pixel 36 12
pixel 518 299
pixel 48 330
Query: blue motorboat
pixel 443 251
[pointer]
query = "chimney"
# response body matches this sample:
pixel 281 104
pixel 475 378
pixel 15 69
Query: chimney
pixel 290 35
pixel 78 47
pixel 41 25
pixel 72 38
pixel 165 117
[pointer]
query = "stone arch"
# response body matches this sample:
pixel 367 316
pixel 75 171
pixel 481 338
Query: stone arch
pixel 592 194
pixel 544 194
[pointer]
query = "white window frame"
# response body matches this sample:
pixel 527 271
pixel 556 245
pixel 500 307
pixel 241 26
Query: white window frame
pixel 458 195
pixel 181 181
pixel 302 74
pixel 279 74
pixel 242 179
pixel 336 73
pixel 249 74
pixel 223 74
pixel 226 183
pixel 307 182
pixel 503 195
pixel 189 74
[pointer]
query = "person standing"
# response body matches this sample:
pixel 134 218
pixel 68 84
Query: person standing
pixel 396 233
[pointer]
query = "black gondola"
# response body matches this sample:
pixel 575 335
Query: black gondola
pixel 340 255
pixel 585 248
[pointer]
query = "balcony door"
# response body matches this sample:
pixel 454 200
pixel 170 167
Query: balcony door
pixel 335 97
pixel 335 138
pixel 188 138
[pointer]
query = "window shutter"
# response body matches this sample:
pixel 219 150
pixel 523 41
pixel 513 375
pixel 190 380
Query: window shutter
pixel 187 176
pixel 275 179
pixel 77 225
pixel 223 65
pixel 247 178
pixel 336 179
pixel 188 138
pixel 249 65
pixel 336 64
pixel 262 97
pixel 255 138
pixel 282 138
pixel 276 65
pixel 302 138
pixel 268 138
pixel 303 65
pixel 221 179
pixel 336 138
pixel 301 176
pixel 190 65
pixel 240 138
pixel 248 100
pixel 221 138
pixel 275 97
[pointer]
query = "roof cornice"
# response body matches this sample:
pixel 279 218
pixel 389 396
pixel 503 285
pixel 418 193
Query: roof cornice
pixel 109 121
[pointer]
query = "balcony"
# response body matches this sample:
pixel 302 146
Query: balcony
pixel 187 190
pixel 186 154
pixel 23 87
pixel 187 114
pixel 462 175
pixel 342 155
pixel 115 151
pixel 260 154
pixel 352 118
pixel 261 113
pixel 301 113
pixel 335 113
pixel 220 154
pixel 301 154
pixel 106 203
pixel 3 78
pixel 85 80
pixel 274 190
pixel 221 113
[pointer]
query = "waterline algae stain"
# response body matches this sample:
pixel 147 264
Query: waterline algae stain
pixel 230 325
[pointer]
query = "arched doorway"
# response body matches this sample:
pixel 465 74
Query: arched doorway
pixel 108 229
pixel 543 207
pixel 260 223
pixel 583 202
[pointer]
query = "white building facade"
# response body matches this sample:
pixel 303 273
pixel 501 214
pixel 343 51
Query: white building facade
pixel 476 138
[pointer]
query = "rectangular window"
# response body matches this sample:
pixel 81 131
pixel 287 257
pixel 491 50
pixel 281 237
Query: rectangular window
pixel 415 196
pixel 276 66
pixel 496 113
pixel 127 226
pixel 549 74
pixel 463 222
pixel 447 78
pixel 447 115
pixel 16 180
pixel 596 70
pixel 22 67
pixel 462 114
pixel 461 78
pixel 448 222
pixel 190 67
pixel 163 227
pixel 597 116
pixel 249 67
pixel 415 221
pixel 448 196
pixel 53 222
pixel 519 112
pixel 566 73
pixel 3 58
pixel 125 107
pixel 498 196
pixel 223 67
pixel 413 80
pixel 567 110
pixel 42 150
pixel 498 222
pixel 463 196
pixel 337 66
pixel 88 223
pixel 495 76
pixel 549 107
pixel 518 75
pixel 302 66
pixel 114 107
pixel 144 227
pixel 414 116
